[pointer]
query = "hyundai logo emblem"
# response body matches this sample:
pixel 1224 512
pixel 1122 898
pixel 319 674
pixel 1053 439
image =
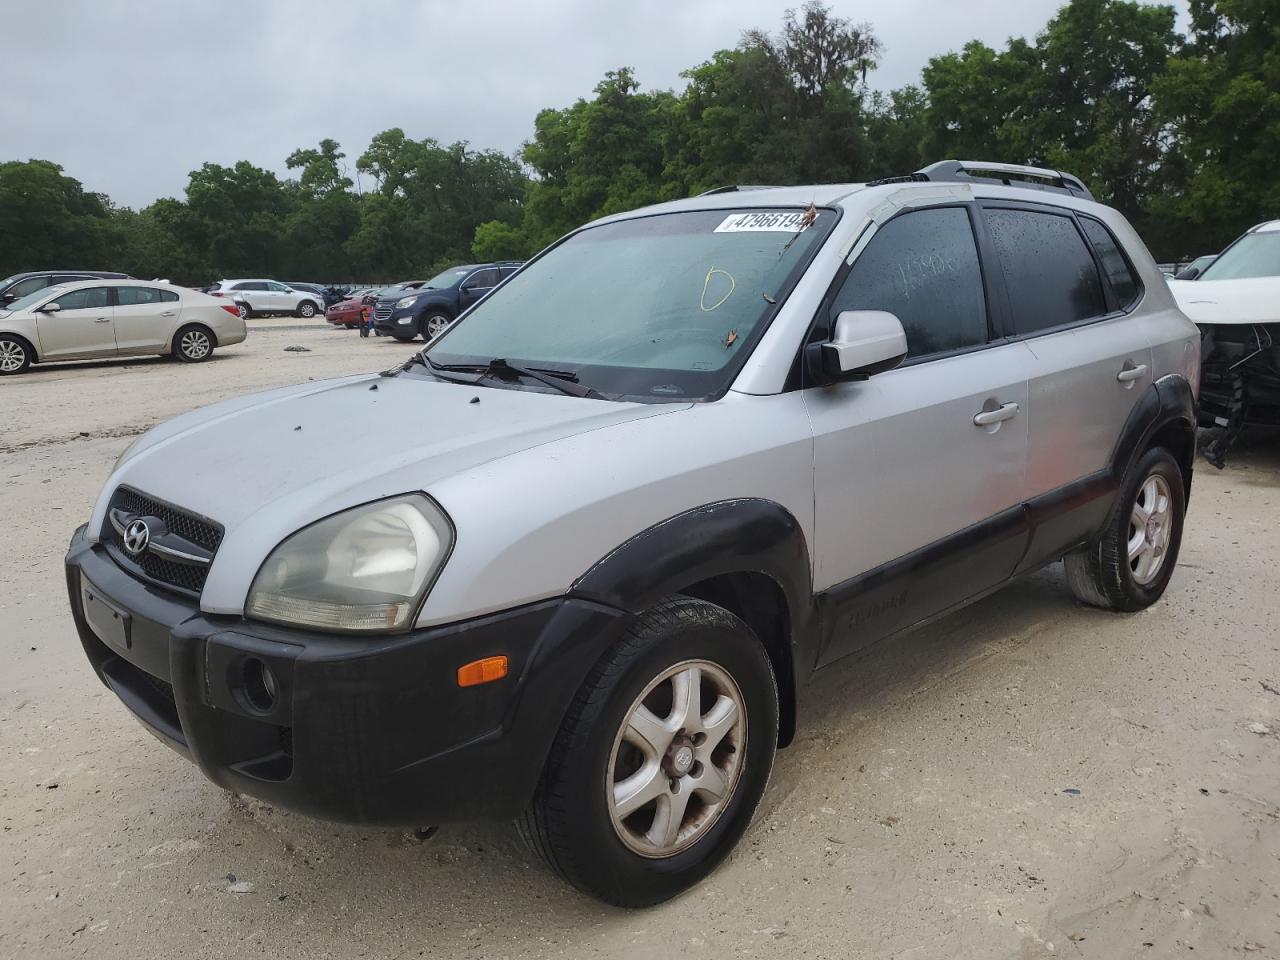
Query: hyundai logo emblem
pixel 136 536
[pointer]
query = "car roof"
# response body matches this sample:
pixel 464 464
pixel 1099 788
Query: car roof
pixel 1269 226
pixel 111 282
pixel 103 274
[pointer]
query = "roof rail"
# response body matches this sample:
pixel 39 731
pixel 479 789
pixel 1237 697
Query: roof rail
pixel 1010 174
pixel 734 188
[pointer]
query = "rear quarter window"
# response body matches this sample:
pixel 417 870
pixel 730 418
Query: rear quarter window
pixel 1114 263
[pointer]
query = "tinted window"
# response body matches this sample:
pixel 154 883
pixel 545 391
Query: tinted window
pixel 481 279
pixel 277 287
pixel 923 268
pixel 83 299
pixel 1050 275
pixel 1114 264
pixel 134 296
pixel 168 296
pixel 250 285
pixel 29 285
pixel 508 271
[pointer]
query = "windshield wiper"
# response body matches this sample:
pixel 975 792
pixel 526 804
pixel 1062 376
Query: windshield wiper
pixel 566 381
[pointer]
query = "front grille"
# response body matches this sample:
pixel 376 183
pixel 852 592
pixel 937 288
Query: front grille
pixel 382 311
pixel 185 577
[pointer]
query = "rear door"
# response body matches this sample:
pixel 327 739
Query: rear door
pixel 145 318
pixel 255 294
pixel 83 326
pixel 918 506
pixel 1070 303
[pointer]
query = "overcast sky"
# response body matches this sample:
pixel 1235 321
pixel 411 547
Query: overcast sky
pixel 131 96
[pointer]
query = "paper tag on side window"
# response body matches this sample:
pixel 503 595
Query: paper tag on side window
pixel 772 221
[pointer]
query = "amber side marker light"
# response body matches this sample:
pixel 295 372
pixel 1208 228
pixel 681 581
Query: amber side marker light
pixel 482 671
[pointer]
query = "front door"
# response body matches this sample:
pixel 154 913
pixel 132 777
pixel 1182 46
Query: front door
pixel 145 318
pixel 919 472
pixel 476 286
pixel 83 326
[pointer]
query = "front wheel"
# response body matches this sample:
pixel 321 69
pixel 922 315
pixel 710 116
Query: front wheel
pixel 306 309
pixel 435 325
pixel 661 759
pixel 1129 565
pixel 15 355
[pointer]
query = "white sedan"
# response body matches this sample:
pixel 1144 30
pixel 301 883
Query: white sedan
pixel 93 319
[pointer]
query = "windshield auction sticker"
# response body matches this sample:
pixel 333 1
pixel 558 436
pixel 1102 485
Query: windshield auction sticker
pixel 771 221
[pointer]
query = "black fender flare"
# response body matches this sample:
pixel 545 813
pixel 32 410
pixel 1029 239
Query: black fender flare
pixel 1168 403
pixel 728 537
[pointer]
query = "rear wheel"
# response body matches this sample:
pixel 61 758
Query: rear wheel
pixel 1128 567
pixel 661 759
pixel 15 355
pixel 243 309
pixel 193 343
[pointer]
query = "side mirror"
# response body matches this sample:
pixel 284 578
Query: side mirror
pixel 1189 273
pixel 7 298
pixel 50 308
pixel 864 342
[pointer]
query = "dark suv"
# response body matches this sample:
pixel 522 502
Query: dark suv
pixel 21 284
pixel 428 310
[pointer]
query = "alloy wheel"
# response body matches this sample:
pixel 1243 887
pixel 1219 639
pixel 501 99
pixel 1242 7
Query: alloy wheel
pixel 1150 527
pixel 676 759
pixel 436 324
pixel 195 344
pixel 13 356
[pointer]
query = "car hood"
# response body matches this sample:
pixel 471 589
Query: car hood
pixel 1256 300
pixel 278 461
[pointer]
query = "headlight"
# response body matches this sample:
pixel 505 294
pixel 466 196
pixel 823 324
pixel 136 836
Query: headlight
pixel 405 302
pixel 363 570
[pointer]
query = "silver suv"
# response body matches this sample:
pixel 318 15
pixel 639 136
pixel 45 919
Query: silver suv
pixel 253 297
pixel 577 560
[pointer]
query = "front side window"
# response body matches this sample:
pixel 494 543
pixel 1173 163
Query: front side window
pixel 1114 264
pixel 28 286
pixel 277 287
pixel 88 298
pixel 447 278
pixel 1048 271
pixel 1255 255
pixel 654 308
pixel 923 268
pixel 136 296
pixel 482 280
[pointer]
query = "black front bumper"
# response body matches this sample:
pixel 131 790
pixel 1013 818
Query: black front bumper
pixel 362 730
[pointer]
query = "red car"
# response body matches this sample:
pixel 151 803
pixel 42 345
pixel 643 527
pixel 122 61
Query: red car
pixel 349 313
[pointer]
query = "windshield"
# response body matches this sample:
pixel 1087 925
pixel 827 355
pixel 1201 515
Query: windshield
pixel 1254 255
pixel 654 308
pixel 446 279
pixel 23 302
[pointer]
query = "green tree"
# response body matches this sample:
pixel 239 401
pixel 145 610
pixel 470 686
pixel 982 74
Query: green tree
pixel 51 220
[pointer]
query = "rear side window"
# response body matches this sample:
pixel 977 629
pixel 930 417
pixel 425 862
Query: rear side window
pixel 168 296
pixel 1048 271
pixel 134 296
pixel 923 268
pixel 1114 264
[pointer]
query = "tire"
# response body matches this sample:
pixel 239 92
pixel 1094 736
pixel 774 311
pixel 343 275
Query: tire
pixel 402 339
pixel 1128 566
pixel 571 822
pixel 15 355
pixel 435 324
pixel 193 343
pixel 306 310
pixel 243 309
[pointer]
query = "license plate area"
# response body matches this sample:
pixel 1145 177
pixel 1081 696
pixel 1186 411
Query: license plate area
pixel 108 623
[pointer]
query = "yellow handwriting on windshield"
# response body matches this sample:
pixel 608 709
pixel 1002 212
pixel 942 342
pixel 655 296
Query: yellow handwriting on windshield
pixel 706 283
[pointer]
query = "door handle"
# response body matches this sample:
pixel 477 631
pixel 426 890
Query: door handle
pixel 1004 412
pixel 1129 374
pixel 103 320
pixel 168 313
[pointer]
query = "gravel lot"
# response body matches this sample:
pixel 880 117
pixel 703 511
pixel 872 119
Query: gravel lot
pixel 1028 778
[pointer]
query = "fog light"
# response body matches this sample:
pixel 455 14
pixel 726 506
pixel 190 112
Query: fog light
pixel 403 320
pixel 261 689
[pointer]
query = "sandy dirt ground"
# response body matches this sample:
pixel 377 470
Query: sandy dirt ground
pixel 1029 778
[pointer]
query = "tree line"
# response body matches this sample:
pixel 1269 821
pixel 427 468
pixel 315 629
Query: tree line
pixel 1178 132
